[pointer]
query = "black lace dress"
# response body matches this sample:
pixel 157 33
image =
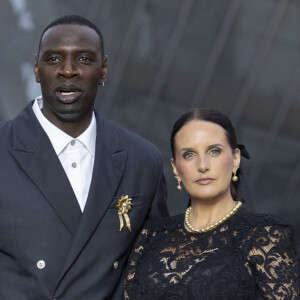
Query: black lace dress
pixel 249 256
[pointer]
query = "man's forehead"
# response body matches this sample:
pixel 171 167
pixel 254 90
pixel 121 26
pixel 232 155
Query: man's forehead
pixel 64 29
pixel 63 34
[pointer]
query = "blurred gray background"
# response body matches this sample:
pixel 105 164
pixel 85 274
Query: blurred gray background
pixel 241 57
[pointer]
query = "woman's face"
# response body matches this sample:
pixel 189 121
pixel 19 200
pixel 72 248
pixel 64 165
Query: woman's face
pixel 204 160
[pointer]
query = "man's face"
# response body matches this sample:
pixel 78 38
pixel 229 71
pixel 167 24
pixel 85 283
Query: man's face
pixel 69 68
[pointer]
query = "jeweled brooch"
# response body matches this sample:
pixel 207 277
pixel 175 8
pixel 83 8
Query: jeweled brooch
pixel 124 206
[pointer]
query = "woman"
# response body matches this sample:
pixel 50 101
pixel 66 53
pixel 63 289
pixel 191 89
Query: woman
pixel 217 249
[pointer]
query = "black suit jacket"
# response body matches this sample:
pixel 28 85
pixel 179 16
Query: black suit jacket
pixel 83 254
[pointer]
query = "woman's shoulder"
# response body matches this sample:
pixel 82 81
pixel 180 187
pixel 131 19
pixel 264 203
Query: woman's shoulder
pixel 260 230
pixel 261 220
pixel 166 223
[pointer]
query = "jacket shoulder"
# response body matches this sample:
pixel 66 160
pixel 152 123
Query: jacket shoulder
pixel 131 139
pixel 5 131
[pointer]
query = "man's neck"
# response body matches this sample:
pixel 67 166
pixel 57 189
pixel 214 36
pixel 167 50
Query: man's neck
pixel 72 128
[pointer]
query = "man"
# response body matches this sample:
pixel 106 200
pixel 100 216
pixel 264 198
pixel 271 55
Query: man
pixel 75 189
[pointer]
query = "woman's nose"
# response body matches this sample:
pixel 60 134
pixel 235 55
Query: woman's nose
pixel 203 164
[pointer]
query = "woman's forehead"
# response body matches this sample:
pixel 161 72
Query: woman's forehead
pixel 199 131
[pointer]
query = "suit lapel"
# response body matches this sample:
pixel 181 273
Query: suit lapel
pixel 109 166
pixel 33 151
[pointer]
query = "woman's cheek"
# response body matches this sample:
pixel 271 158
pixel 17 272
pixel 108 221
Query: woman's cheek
pixel 184 169
pixel 225 165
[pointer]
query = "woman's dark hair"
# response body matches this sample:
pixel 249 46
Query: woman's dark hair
pixel 213 116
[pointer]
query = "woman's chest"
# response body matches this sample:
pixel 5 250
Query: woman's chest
pixel 211 269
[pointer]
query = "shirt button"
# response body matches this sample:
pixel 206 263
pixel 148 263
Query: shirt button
pixel 74 165
pixel 41 264
pixel 116 264
pixel 72 142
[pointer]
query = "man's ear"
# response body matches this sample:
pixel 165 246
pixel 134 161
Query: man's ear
pixel 36 69
pixel 104 70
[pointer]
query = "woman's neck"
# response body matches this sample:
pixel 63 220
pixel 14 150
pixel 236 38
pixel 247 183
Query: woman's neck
pixel 205 213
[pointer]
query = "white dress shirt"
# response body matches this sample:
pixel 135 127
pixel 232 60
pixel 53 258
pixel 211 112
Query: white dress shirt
pixel 77 155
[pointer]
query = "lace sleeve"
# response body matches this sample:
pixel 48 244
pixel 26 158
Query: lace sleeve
pixel 275 266
pixel 135 255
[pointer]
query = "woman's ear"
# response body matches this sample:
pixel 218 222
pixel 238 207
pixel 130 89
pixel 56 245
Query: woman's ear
pixel 236 159
pixel 179 187
pixel 174 168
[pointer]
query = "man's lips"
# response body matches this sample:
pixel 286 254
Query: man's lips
pixel 68 95
pixel 204 181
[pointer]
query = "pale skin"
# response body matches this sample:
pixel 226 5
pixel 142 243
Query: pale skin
pixel 204 162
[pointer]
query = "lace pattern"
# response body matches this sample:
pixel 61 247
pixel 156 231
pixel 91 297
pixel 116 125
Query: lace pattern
pixel 250 256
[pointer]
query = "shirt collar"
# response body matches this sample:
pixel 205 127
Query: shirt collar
pixel 59 139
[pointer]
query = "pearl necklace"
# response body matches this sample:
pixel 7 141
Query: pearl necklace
pixel 214 225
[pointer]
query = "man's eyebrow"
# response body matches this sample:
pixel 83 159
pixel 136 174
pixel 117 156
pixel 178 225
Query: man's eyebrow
pixel 49 51
pixel 59 50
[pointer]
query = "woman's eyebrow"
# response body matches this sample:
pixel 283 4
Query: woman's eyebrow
pixel 186 149
pixel 208 147
pixel 215 145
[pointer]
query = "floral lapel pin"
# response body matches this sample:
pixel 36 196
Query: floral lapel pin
pixel 124 206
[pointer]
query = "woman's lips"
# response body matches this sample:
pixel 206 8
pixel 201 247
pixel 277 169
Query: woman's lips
pixel 68 97
pixel 204 181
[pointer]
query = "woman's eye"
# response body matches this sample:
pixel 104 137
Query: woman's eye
pixel 215 151
pixel 188 155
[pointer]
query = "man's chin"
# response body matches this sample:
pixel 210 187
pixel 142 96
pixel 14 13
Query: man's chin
pixel 70 117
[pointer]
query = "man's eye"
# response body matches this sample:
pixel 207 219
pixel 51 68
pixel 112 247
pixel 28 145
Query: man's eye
pixel 53 59
pixel 84 59
pixel 188 155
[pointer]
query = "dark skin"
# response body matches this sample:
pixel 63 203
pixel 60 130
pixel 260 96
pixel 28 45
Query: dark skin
pixel 70 69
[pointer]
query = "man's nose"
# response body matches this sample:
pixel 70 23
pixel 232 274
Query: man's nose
pixel 68 68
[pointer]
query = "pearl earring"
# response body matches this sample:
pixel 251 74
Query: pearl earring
pixel 234 177
pixel 179 187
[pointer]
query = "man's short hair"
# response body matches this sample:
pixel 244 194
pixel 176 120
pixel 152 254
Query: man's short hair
pixel 75 20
